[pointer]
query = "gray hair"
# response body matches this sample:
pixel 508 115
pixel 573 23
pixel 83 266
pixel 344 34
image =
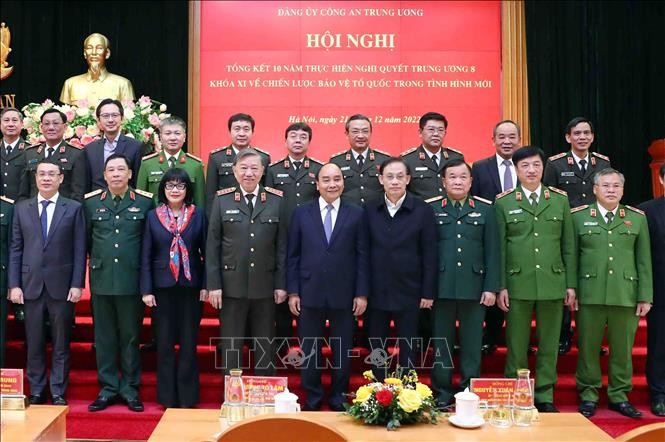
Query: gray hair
pixel 608 171
pixel 171 121
pixel 11 109
pixel 246 152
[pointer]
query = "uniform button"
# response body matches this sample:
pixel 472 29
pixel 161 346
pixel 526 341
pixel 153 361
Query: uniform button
pixel 251 264
pixel 459 222
pixel 475 223
pixel 362 200
pixel 116 245
pixel 610 244
pixel 610 232
pixel 115 260
pixel 297 184
pixel 362 187
pixel 117 230
pixel 586 276
pixel 438 174
pixel 361 175
pixel 611 271
pixel 535 234
pixel 440 189
pixel 583 182
pixel 611 258
pixel 535 218
pixel 584 195
pixel 459 235
pixel 555 218
pixel 252 235
pixel 515 219
pixel 537 250
pixel 537 266
pixel 251 249
pixel 440 222
pixel 297 194
pixel 117 217
pixel 459 264
pixel 459 249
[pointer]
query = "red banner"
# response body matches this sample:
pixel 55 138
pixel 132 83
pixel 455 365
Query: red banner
pixel 320 62
pixel 11 382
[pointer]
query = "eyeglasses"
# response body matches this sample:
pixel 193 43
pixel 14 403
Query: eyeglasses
pixel 109 116
pixel 171 186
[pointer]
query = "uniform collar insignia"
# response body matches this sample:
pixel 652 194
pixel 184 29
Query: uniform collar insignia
pixel 21 146
pixel 547 194
pixel 306 164
pixel 518 195
pixel 62 148
pixel 472 204
pixel 39 150
pixel 103 197
pixel 348 157
pixel 371 156
pixel 622 213
pixel 229 151
pixel 592 212
pixel 593 161
pixel 183 158
pixel 571 161
pixel 444 202
pixel 286 164
pixel 236 197
pixel 421 156
pixel 161 159
pixel 445 153
pixel 132 195
pixel 263 197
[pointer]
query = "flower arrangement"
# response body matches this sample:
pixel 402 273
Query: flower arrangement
pixel 398 400
pixel 141 119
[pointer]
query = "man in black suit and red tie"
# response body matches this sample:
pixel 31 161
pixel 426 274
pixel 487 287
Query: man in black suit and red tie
pixel 491 176
pixel 47 274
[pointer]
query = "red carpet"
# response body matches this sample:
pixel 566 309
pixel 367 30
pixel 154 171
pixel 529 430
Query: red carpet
pixel 117 422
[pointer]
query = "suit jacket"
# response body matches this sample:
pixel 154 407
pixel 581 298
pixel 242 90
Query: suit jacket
pixel 403 254
pixel 486 181
pixel 538 260
pixel 315 267
pixel 58 263
pixel 246 252
pixel 94 159
pixel 12 168
pixel 655 212
pixel 155 271
pixel 614 259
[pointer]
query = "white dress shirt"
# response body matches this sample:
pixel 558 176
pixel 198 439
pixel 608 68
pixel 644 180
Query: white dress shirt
pixel 578 159
pixel 333 213
pixel 50 209
pixel 502 170
pixel 393 208
pixel 255 193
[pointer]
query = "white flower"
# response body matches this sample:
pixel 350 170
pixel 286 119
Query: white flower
pixel 129 114
pixel 82 111
pixel 92 130
pixel 162 108
pixel 69 132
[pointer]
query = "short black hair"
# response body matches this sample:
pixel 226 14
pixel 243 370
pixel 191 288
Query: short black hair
pixel 662 170
pixel 53 110
pixel 357 117
pixel 50 160
pixel 115 156
pixel 298 126
pixel 454 163
pixel 241 117
pixel 177 175
pixel 432 116
pixel 393 160
pixel 528 152
pixel 575 121
pixel 106 101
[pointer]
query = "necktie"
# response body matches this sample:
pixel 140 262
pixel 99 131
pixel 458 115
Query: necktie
pixel 534 199
pixel 361 161
pixel 44 219
pixel 250 197
pixel 116 200
pixel 458 206
pixel 583 166
pixel 9 149
pixel 327 222
pixel 435 161
pixel 609 216
pixel 507 176
pixel 297 165
pixel 49 152
pixel 172 162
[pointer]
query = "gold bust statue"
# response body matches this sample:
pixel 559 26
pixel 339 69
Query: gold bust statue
pixel 97 83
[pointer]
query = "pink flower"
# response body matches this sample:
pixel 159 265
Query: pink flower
pixel 147 133
pixel 153 119
pixel 128 104
pixel 71 114
pixel 75 142
pixel 144 101
pixel 83 102
pixel 87 139
pixel 384 397
pixel 80 130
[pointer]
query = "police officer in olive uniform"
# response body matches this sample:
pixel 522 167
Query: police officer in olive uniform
pixel 538 269
pixel 573 172
pixel 615 289
pixel 6 211
pixel 245 259
pixel 72 159
pixel 12 152
pixel 427 160
pixel 468 277
pixel 220 161
pixel 360 164
pixel 116 218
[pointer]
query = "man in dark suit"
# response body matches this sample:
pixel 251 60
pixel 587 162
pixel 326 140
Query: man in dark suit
pixel 327 238
pixel 47 274
pixel 245 258
pixel 655 370
pixel 109 114
pixel 403 262
pixel 491 176
pixel 55 148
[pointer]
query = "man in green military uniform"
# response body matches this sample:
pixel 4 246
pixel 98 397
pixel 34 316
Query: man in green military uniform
pixel 115 219
pixel 468 277
pixel 427 160
pixel 72 159
pixel 615 289
pixel 12 152
pixel 573 172
pixel 245 258
pixel 6 211
pixel 172 132
pixel 538 269
pixel 220 161
pixel 360 164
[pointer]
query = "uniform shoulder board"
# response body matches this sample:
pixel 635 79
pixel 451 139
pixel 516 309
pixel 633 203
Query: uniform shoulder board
pixel 408 151
pixel 150 155
pixel 260 150
pixel 635 209
pixel 144 193
pixel 578 208
pixel 32 146
pixel 7 200
pixel 93 193
pixel 482 199
pixel 436 198
pixel 455 150
pixel 274 191
pixel 221 192
pixel 194 157
pixel 381 152
pixel 603 157
pixel 278 161
pixel 219 149
pixel 559 191
pixel 339 153
pixel 557 156
pixel 502 194
pixel 315 160
pixel 75 147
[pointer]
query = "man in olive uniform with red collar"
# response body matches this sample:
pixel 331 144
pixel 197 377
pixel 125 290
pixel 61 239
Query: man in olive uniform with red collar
pixel 615 289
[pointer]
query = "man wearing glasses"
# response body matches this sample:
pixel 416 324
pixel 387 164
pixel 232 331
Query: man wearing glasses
pixel 427 160
pixel 109 114
pixel 57 150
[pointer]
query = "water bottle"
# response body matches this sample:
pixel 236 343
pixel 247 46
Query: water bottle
pixel 523 399
pixel 234 397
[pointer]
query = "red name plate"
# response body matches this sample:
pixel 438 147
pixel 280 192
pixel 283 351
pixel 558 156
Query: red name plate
pixel 270 386
pixel 494 388
pixel 11 382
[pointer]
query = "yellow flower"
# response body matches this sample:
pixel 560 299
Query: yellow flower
pixel 409 400
pixel 393 381
pixel 423 390
pixel 367 374
pixel 362 394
